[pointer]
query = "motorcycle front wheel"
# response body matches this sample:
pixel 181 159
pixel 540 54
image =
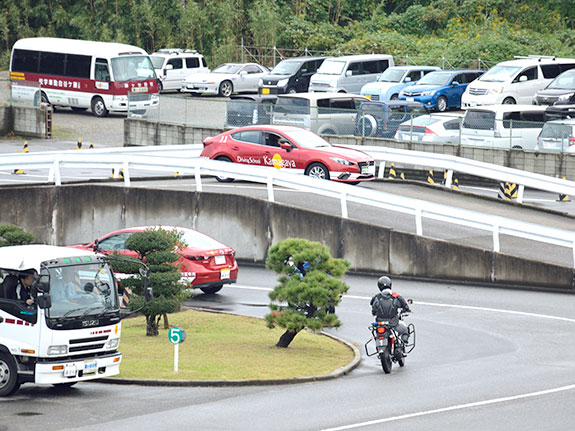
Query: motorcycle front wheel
pixel 385 358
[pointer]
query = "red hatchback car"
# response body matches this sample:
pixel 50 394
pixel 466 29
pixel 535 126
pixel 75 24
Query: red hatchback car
pixel 205 263
pixel 290 148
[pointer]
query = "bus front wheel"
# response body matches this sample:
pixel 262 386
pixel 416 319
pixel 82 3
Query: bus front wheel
pixel 98 107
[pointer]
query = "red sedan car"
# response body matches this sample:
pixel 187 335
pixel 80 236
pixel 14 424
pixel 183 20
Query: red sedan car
pixel 291 148
pixel 205 263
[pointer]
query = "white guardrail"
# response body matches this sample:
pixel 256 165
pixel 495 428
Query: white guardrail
pixel 172 159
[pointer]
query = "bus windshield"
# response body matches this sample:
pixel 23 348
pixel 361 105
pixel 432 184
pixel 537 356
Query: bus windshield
pixel 82 290
pixel 133 68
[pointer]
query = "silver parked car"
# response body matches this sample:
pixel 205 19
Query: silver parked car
pixel 434 128
pixel 226 79
pixel 557 136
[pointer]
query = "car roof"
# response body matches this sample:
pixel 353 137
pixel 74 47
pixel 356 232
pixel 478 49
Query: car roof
pixel 254 97
pixel 434 68
pixel 303 58
pixel 361 57
pixel 522 62
pixel 321 95
pixel 507 108
pixel 393 103
pixel 269 127
pixel 566 121
pixel 172 52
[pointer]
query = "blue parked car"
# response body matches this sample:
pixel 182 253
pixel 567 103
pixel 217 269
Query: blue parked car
pixel 442 89
pixel 393 80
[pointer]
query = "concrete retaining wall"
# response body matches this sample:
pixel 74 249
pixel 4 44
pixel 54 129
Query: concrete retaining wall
pixel 138 132
pixel 74 214
pixel 24 121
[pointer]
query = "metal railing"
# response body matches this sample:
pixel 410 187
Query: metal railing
pixel 345 193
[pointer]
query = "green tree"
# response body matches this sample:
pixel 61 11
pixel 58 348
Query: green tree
pixel 14 235
pixel 309 287
pixel 158 249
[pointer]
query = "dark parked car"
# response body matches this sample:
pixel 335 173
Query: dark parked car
pixel 290 76
pixel 249 109
pixel 382 119
pixel 560 111
pixel 560 90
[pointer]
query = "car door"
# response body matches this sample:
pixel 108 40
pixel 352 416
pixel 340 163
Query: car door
pixel 250 74
pixel 457 86
pixel 245 147
pixel 525 89
pixel 273 155
pixel 174 76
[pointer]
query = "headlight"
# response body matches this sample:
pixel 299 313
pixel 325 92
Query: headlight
pixel 565 96
pixel 428 93
pixel 283 82
pixel 112 343
pixel 495 90
pixel 57 350
pixel 260 82
pixel 342 161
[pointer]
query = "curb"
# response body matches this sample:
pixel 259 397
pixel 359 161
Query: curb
pixel 340 372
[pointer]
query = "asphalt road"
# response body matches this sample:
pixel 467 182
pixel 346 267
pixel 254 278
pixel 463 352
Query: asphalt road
pixel 485 359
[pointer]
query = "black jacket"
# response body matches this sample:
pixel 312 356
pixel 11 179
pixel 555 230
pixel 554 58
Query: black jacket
pixel 397 302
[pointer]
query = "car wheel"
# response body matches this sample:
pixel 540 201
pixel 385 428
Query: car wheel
pixel 328 132
pixel 8 375
pixel 98 107
pixel 224 179
pixel 291 90
pixel 442 104
pixel 395 97
pixel 317 170
pixel 160 86
pixel 509 101
pixel 226 89
pixel 212 289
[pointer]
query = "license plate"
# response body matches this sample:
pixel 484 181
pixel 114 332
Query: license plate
pixel 368 169
pixel 410 99
pixel 225 274
pixel 220 260
pixel 265 91
pixel 69 370
pixel 90 367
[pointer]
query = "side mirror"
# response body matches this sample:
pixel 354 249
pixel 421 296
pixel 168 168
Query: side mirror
pixel 96 244
pixel 348 73
pixel 522 78
pixel 243 73
pixel 149 294
pixel 43 283
pixel 407 79
pixel 44 301
pixel 410 301
pixel 285 145
pixel 454 83
pixel 169 67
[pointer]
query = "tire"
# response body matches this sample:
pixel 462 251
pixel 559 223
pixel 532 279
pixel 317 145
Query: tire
pixel 395 97
pixel 160 86
pixel 385 358
pixel 509 101
pixel 442 104
pixel 226 89
pixel 328 132
pixel 224 179
pixel 212 289
pixel 317 170
pixel 291 90
pixel 8 375
pixel 44 98
pixel 98 107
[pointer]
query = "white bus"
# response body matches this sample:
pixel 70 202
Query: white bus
pixel 68 329
pixel 84 74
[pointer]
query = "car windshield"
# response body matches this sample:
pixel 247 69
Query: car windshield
pixel 565 81
pixel 555 131
pixel 195 239
pixel 332 67
pixel 133 68
pixel 500 74
pixel 435 78
pixel 392 75
pixel 292 105
pixel 82 290
pixel 286 67
pixel 227 68
pixel 306 139
pixel 157 61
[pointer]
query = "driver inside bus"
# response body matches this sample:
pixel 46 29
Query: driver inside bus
pixel 67 287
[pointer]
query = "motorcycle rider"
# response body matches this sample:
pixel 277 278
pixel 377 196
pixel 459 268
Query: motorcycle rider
pixel 385 306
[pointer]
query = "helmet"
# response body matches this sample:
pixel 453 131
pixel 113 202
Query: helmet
pixel 384 282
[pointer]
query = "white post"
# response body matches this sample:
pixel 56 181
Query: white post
pixel 176 354
pixel 270 186
pixel 418 222
pixel 381 169
pixel 198 178
pixel 449 178
pixel 57 179
pixel 126 175
pixel 343 205
pixel 496 248
pixel 520 194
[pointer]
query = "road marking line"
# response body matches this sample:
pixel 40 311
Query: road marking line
pixel 453 408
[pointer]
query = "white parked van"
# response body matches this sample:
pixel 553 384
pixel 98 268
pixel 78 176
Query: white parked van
pixel 514 82
pixel 172 66
pixel 502 126
pixel 322 113
pixel 347 74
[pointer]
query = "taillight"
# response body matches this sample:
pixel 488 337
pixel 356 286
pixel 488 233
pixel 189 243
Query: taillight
pixel 381 330
pixel 571 140
pixel 429 132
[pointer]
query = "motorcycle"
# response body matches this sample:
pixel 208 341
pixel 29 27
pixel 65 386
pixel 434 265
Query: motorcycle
pixel 389 346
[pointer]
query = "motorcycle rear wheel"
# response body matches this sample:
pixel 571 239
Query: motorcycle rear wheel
pixel 385 358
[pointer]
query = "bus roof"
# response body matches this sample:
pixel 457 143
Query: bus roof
pixel 77 46
pixel 21 257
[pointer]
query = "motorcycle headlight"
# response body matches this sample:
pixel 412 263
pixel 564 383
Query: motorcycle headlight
pixel 342 161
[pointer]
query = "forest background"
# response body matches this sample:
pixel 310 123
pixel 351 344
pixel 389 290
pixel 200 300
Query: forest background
pixel 449 33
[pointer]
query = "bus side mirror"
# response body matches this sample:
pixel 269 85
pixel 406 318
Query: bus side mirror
pixel 149 294
pixel 44 301
pixel 43 284
pixel 96 244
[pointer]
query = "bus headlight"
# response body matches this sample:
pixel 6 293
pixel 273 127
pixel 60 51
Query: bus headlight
pixel 57 350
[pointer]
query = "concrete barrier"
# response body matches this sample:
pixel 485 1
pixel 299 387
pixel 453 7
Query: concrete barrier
pixel 81 213
pixel 25 121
